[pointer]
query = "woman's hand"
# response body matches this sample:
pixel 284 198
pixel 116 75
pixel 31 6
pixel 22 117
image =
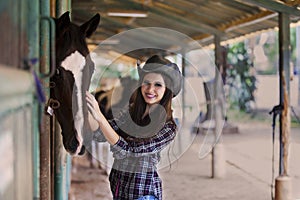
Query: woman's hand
pixel 93 107
pixel 109 133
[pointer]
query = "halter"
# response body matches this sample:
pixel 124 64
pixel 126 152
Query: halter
pixel 52 104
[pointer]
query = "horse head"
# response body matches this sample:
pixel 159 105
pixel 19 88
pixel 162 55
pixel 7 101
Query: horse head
pixel 74 69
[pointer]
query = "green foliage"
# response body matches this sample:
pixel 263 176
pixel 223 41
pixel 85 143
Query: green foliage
pixel 271 51
pixel 240 78
pixel 293 45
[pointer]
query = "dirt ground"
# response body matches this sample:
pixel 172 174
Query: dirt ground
pixel 248 164
pixel 248 156
pixel 88 182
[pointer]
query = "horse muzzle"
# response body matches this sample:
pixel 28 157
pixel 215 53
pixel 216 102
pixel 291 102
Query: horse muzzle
pixel 72 145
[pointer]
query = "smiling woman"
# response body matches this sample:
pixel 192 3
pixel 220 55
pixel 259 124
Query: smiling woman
pixel 153 88
pixel 141 131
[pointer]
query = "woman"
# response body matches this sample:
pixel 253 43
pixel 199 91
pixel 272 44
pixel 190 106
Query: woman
pixel 141 132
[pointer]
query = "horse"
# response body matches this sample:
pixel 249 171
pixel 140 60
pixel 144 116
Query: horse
pixel 71 80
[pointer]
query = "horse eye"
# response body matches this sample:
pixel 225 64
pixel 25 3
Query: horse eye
pixel 57 72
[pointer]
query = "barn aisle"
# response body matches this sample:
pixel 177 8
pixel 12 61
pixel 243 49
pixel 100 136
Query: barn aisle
pixel 248 166
pixel 87 182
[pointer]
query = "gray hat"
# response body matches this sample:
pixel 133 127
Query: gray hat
pixel 158 64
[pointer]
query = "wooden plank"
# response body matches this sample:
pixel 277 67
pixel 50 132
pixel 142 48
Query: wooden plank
pixel 247 21
pixel 276 6
pixel 162 12
pixel 192 11
pixel 242 22
pixel 204 28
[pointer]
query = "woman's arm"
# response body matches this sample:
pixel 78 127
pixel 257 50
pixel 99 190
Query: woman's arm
pixel 92 122
pixel 163 138
pixel 109 133
pixel 120 147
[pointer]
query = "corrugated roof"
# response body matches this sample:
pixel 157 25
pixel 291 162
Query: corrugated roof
pixel 200 20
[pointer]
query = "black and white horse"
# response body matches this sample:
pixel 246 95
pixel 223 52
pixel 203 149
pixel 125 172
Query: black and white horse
pixel 74 69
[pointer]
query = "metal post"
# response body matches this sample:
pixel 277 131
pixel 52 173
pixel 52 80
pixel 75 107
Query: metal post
pixel 283 181
pixel 298 59
pixel 183 103
pixel 60 165
pixel 45 160
pixel 62 6
pixel 62 172
pixel 183 65
pixel 218 156
pixel 33 40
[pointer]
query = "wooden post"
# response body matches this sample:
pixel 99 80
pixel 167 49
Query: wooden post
pixel 218 153
pixel 283 181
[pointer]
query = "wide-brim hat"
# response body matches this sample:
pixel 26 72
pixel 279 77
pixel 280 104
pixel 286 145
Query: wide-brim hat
pixel 158 64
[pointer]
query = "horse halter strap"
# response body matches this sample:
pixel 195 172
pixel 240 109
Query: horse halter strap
pixel 52 103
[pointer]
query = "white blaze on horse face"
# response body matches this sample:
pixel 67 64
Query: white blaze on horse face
pixel 75 63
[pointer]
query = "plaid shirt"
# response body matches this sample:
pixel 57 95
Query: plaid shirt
pixel 134 173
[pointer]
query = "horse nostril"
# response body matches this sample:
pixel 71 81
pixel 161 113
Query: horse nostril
pixel 82 150
pixel 70 144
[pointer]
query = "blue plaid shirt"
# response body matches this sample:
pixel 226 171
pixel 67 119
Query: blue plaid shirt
pixel 134 172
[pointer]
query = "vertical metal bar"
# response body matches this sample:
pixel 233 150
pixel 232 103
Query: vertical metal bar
pixel 33 40
pixel 45 160
pixel 61 7
pixel 284 75
pixel 183 66
pixel 298 60
pixel 51 46
pixel 58 8
pixel 60 165
pixel 69 7
pixel 62 178
pixel 52 8
pixel 58 156
pixel 21 23
pixel 68 174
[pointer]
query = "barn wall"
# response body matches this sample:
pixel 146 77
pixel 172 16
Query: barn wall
pixel 16 168
pixel 13 40
pixel 17 101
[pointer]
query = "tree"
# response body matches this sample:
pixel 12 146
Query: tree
pixel 241 80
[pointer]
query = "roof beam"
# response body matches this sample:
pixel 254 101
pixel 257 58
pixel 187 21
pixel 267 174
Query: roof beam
pixel 253 19
pixel 167 15
pixel 186 6
pixel 236 4
pixel 203 27
pixel 242 22
pixel 148 36
pixel 274 5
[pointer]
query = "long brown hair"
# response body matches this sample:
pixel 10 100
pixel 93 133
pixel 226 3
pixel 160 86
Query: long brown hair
pixel 138 105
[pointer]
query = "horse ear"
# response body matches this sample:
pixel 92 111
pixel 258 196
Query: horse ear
pixel 89 27
pixel 64 20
